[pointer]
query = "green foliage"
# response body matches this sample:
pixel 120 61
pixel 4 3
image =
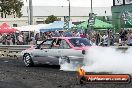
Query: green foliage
pixel 51 19
pixel 10 7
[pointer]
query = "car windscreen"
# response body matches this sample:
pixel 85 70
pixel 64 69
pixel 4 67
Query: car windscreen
pixel 78 42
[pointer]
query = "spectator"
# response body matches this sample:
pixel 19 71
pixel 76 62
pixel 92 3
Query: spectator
pixel 111 38
pixel 56 34
pixel 82 35
pixel 123 36
pixel 20 39
pixel 93 41
pixel 98 38
pixel 129 43
pixel 13 39
pixel 8 39
pixel 75 34
pixel 32 41
pixel 0 39
pixel 87 36
pixel 68 34
pixel 3 39
pixel 105 40
pixel 36 37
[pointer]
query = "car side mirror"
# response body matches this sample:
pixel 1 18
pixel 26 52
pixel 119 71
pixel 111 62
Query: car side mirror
pixel 37 47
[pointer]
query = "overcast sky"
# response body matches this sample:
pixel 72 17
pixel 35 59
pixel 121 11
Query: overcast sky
pixel 78 3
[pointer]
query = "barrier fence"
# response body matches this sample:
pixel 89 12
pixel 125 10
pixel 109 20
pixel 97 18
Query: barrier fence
pixel 15 50
pixel 12 50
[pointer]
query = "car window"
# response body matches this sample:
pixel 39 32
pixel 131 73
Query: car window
pixel 46 44
pixel 64 45
pixel 78 42
pixel 56 43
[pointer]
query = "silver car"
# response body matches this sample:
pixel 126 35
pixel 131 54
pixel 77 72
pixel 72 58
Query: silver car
pixel 57 50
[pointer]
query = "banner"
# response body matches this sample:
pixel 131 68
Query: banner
pixel 128 1
pixel 118 2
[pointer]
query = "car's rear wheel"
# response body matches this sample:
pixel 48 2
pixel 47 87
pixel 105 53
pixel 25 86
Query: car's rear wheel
pixel 64 59
pixel 28 60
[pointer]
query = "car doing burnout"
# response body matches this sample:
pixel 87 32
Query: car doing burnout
pixel 56 50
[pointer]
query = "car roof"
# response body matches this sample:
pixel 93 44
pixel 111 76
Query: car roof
pixel 66 37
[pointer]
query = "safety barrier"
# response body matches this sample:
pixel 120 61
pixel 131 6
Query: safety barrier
pixel 123 48
pixel 15 50
pixel 12 50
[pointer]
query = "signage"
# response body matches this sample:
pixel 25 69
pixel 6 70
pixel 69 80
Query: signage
pixel 128 1
pixel 118 2
pixel 66 22
pixel 91 20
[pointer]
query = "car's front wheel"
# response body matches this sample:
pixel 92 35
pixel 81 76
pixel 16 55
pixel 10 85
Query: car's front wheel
pixel 63 60
pixel 28 60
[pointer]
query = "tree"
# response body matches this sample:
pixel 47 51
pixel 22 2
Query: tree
pixel 51 19
pixel 9 7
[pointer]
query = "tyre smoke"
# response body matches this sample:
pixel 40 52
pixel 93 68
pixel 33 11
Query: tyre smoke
pixel 107 59
pixel 104 59
pixel 73 66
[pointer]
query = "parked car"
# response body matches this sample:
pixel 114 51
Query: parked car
pixel 56 50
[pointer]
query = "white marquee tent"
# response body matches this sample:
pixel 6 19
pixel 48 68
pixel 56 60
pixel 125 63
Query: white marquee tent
pixel 34 28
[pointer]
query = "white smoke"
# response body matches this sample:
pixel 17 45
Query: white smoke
pixel 72 66
pixel 104 59
pixel 107 59
pixel 67 67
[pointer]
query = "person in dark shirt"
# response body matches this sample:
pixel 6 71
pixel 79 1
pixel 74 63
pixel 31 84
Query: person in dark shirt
pixel 123 35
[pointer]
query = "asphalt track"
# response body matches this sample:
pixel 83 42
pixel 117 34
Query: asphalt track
pixel 13 74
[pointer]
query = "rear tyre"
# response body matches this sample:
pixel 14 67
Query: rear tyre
pixel 28 60
pixel 83 80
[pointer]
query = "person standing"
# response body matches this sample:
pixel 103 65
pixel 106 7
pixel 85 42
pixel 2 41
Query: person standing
pixel 3 39
pixel 8 39
pixel 105 39
pixel 0 39
pixel 36 37
pixel 32 42
pixel 20 39
pixel 123 36
pixel 98 38
pixel 129 42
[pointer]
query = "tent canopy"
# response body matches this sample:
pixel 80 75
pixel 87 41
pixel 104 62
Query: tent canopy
pixel 5 28
pixel 98 25
pixel 34 28
pixel 4 25
pixel 56 25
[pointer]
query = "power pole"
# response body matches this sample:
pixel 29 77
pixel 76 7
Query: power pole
pixel 91 20
pixel 91 6
pixel 69 15
pixel 113 2
pixel 69 10
pixel 124 2
pixel 30 13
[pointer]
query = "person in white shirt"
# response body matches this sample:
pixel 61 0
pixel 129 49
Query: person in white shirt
pixel 20 39
pixel 105 40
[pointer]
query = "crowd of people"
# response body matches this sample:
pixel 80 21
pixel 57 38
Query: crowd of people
pixel 14 39
pixel 105 38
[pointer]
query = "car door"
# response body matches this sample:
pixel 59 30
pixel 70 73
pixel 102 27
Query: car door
pixel 72 55
pixel 66 50
pixel 54 52
pixel 41 54
pixel 63 49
